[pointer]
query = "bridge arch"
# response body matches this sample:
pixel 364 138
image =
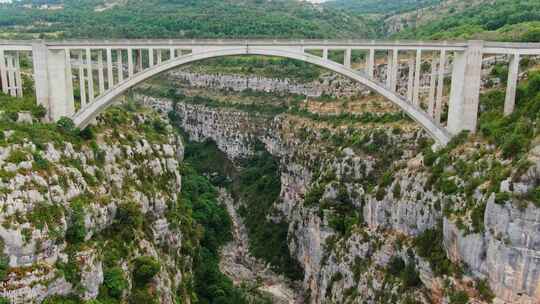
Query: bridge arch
pixel 86 114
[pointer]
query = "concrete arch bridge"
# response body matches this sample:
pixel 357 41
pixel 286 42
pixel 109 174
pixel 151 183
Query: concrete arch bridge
pixel 104 70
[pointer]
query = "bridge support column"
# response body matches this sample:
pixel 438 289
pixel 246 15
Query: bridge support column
pixel 53 88
pixel 120 66
pixel 101 74
pixel 347 59
pixel 465 91
pixel 110 77
pixel 417 71
pixel 18 77
pixel 370 66
pixel 82 79
pixel 440 86
pixel 3 72
pixel 432 84
pixel 11 76
pixel 395 68
pixel 410 80
pixel 513 73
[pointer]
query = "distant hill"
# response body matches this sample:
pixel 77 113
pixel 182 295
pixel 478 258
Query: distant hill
pixel 510 20
pixel 180 19
pixel 388 7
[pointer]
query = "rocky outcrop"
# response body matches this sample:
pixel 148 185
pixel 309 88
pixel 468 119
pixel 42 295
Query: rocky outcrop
pixel 45 188
pixel 351 268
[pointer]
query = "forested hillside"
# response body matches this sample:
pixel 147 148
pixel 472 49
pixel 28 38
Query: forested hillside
pixel 380 7
pixel 178 19
pixel 508 20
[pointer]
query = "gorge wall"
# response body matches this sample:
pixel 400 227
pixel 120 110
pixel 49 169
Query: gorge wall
pixel 370 222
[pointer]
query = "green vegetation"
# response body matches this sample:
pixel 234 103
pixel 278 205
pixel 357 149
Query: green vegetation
pixel 199 196
pixel 272 67
pixel 429 245
pixel 181 19
pixel 256 184
pixel 114 282
pixel 513 133
pixel 258 188
pixel 407 273
pixel 500 20
pixel 380 7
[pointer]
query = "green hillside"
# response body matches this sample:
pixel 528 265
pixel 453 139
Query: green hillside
pixel 509 20
pixel 180 19
pixel 380 7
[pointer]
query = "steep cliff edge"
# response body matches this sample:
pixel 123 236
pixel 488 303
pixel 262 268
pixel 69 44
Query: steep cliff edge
pixel 87 214
pixel 375 216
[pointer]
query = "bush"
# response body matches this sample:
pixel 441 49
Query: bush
pixel 65 125
pixel 76 231
pixel 142 296
pixel 429 246
pixel 4 266
pixel 458 297
pixel 144 269
pixel 113 279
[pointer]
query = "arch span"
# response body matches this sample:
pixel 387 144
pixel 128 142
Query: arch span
pixel 83 117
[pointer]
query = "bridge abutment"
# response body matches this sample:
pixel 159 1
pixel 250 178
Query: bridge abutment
pixel 465 90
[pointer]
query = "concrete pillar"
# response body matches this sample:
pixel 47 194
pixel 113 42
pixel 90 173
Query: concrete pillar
pixel 395 68
pixel 465 92
pixel 101 75
pixel 389 70
pixel 347 59
pixel 171 53
pixel 151 57
pixel 371 64
pixel 119 65
pixel 41 75
pixel 11 76
pixel 325 54
pixel 110 77
pixel 51 81
pixel 139 55
pixel 410 81
pixel 417 72
pixel 130 62
pixel 432 84
pixel 158 57
pixel 513 73
pixel 18 78
pixel 59 85
pixel 440 86
pixel 70 99
pixel 3 72
pixel 90 75
pixel 82 79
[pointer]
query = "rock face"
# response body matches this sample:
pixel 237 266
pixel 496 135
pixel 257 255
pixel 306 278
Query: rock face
pixel 42 195
pixel 347 268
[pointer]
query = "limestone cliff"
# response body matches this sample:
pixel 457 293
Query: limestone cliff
pixel 72 211
pixel 367 217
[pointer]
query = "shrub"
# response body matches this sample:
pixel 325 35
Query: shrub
pixel 429 246
pixel 485 291
pixel 144 269
pixel 142 296
pixel 76 230
pixel 113 279
pixel 395 266
pixel 65 125
pixel 458 297
pixel 4 266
